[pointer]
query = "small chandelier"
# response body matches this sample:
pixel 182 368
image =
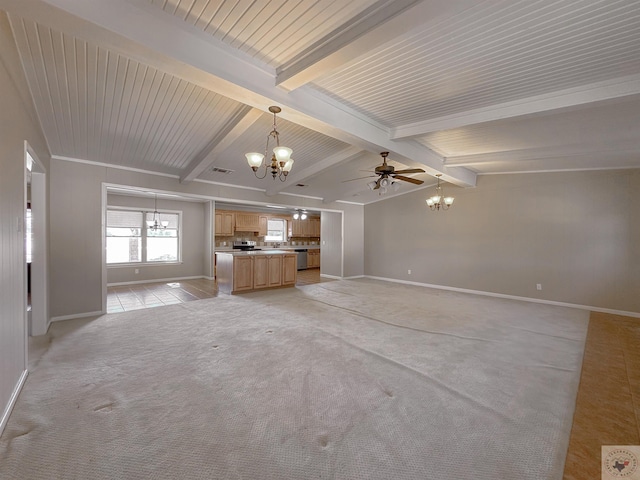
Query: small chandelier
pixel 300 214
pixel 156 224
pixel 281 161
pixel 439 201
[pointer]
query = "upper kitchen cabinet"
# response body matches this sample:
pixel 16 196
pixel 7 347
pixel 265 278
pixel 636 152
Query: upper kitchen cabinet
pixel 310 227
pixel 224 223
pixel 247 222
pixel 263 223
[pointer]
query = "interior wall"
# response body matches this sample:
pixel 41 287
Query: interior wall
pixel 331 244
pixel 18 123
pixel 193 242
pixel 76 233
pixel 574 233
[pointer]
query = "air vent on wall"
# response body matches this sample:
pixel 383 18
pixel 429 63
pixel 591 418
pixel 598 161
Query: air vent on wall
pixel 221 170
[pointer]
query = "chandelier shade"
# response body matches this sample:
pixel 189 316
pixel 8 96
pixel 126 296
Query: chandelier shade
pixel 281 162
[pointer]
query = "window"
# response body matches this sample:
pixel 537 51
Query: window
pixel 29 233
pixel 276 230
pixel 129 240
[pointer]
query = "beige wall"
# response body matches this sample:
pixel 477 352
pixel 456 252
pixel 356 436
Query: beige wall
pixel 576 233
pixel 76 199
pixel 193 262
pixel 17 124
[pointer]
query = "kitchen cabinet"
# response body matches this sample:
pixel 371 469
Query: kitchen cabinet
pixel 247 222
pixel 238 272
pixel 267 271
pixel 314 227
pixel 289 269
pixel 309 227
pixel 263 222
pixel 297 228
pixel 224 224
pixel 313 259
pixel 243 274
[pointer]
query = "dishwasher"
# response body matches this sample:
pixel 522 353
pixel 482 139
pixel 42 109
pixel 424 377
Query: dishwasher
pixel 302 258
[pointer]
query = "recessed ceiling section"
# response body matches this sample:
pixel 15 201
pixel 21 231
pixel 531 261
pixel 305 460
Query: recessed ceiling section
pixel 103 107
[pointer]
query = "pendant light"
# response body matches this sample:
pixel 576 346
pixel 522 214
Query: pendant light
pixel 439 201
pixel 156 224
pixel 281 161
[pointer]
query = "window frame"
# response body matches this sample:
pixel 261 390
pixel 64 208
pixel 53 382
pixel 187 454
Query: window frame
pixel 143 236
pixel 284 230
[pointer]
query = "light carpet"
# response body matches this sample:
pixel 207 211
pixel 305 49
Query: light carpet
pixel 351 379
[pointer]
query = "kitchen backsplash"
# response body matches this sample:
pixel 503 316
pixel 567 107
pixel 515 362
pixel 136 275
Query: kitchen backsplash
pixel 293 241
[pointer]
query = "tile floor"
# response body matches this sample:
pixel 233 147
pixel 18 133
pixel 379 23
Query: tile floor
pixel 124 298
pixel 608 402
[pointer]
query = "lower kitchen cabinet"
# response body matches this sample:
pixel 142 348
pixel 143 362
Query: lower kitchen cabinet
pixel 267 271
pixel 243 274
pixel 237 272
pixel 313 259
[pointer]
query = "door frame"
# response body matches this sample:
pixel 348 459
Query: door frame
pixel 38 320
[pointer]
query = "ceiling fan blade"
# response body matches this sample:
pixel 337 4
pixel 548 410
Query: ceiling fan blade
pixel 377 184
pixel 359 178
pixel 410 170
pixel 408 179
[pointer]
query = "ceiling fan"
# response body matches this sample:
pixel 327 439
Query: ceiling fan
pixel 387 174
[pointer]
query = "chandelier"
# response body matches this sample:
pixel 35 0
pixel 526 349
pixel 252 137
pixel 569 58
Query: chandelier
pixel 439 201
pixel 281 161
pixel 156 224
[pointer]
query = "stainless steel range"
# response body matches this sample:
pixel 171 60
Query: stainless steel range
pixel 245 245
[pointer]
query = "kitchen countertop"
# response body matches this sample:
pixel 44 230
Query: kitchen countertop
pixel 241 253
pixel 288 248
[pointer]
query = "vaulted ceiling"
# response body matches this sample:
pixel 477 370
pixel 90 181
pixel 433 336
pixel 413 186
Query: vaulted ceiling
pixel 457 87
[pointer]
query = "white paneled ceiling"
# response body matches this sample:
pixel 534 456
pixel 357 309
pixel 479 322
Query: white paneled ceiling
pixel 458 87
pixel 272 31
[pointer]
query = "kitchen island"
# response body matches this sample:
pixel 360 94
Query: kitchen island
pixel 238 271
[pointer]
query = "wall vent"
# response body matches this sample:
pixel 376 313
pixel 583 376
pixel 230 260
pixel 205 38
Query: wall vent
pixel 226 171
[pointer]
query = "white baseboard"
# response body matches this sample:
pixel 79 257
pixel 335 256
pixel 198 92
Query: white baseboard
pixel 334 277
pixel 511 297
pixel 175 279
pixel 12 400
pixel 76 315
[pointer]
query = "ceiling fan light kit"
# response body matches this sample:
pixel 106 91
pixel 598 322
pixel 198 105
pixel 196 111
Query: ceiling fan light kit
pixel 281 161
pixel 300 214
pixel 388 176
pixel 439 201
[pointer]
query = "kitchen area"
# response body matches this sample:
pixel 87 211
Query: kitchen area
pixel 242 232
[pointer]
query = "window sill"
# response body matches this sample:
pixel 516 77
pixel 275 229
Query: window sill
pixel 142 264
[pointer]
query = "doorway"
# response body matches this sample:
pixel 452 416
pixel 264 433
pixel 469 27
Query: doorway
pixel 36 245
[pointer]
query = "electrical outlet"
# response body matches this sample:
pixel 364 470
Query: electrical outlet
pixel 409 271
pixel 539 286
pixel 136 271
